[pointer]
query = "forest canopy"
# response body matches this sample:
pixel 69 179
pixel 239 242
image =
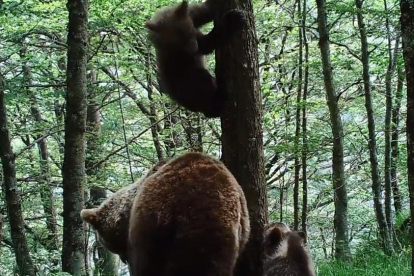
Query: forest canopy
pixel 130 125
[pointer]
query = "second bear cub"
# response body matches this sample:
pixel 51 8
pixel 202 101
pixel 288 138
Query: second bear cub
pixel 286 253
pixel 180 47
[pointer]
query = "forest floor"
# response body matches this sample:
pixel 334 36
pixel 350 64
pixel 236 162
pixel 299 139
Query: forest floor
pixel 368 264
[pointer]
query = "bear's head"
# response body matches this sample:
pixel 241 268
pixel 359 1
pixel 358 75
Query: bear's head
pixel 285 251
pixel 111 220
pixel 173 28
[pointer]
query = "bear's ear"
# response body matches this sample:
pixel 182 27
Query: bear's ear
pixel 303 236
pixel 272 239
pixel 91 216
pixel 152 26
pixel 182 10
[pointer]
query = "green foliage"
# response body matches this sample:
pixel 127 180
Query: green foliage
pixel 368 262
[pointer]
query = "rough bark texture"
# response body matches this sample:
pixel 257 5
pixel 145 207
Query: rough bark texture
pixel 394 142
pixel 372 143
pixel 14 209
pixel 392 56
pixel 73 251
pixel 237 70
pixel 407 33
pixel 304 124
pixel 297 133
pixel 46 191
pixel 107 263
pixel 339 183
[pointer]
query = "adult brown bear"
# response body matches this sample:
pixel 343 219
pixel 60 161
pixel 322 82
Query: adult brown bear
pixel 188 218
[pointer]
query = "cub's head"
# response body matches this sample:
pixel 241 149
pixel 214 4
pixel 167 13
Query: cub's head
pixel 111 220
pixel 173 28
pixel 286 252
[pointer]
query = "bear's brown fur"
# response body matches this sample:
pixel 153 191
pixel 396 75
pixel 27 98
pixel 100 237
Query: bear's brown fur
pixel 188 218
pixel 286 253
pixel 111 218
pixel 180 47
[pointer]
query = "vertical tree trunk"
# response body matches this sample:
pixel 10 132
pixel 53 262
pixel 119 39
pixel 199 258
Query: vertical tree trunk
pixel 339 183
pixel 74 251
pixel 297 131
pixel 107 263
pixel 392 58
pixel 237 70
pixel 46 191
pixel 14 209
pixel 372 143
pixel 407 33
pixel 155 128
pixel 304 123
pixel 394 142
pixel 1 233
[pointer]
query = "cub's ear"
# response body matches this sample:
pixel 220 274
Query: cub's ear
pixel 272 239
pixel 90 216
pixel 182 10
pixel 152 26
pixel 303 236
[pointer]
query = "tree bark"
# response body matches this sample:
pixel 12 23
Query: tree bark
pixel 107 263
pixel 237 71
pixel 392 58
pixel 304 122
pixel 74 251
pixel 407 33
pixel 297 131
pixel 339 183
pixel 372 143
pixel 46 191
pixel 394 142
pixel 14 209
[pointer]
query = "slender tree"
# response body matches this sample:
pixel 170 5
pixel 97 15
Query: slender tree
pixel 304 121
pixel 73 171
pixel 46 191
pixel 14 209
pixel 394 141
pixel 392 57
pixel 372 142
pixel 407 33
pixel 298 128
pixel 339 183
pixel 237 70
pixel 107 263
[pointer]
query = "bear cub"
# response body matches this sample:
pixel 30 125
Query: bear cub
pixel 285 252
pixel 189 217
pixel 180 47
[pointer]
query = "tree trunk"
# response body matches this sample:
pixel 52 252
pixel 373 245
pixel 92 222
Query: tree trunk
pixel 107 263
pixel 372 143
pixel 407 33
pixel 237 70
pixel 394 142
pixel 297 131
pixel 153 111
pixel 392 58
pixel 339 183
pixel 304 123
pixel 46 191
pixel 14 209
pixel 74 251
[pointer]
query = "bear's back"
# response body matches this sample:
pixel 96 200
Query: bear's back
pixel 194 210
